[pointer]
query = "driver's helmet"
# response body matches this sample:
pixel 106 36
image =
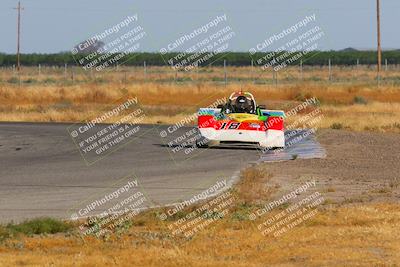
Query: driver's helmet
pixel 242 105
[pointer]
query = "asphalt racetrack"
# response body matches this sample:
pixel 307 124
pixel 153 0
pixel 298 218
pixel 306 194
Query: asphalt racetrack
pixel 45 172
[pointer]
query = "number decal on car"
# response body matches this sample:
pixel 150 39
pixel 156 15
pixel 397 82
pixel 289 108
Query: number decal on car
pixel 230 125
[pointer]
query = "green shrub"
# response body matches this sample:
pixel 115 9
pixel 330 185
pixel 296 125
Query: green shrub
pixel 100 80
pixel 4 233
pixel 242 212
pixel 30 80
pixel 360 100
pixel 40 226
pixel 183 79
pixel 301 96
pixel 49 80
pixel 65 104
pixel 13 80
pixel 337 126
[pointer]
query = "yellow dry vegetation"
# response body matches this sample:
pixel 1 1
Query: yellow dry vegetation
pixel 354 106
pixel 352 236
pixel 356 234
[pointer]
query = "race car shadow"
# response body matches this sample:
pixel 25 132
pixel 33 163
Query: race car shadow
pixel 222 146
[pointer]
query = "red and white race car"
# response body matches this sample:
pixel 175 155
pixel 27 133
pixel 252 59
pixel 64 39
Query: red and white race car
pixel 241 121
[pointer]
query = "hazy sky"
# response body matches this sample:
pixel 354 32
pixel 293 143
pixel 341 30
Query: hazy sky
pixel 53 26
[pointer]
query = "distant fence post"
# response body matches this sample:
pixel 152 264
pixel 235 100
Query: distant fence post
pixel 252 72
pixel 358 63
pixel 144 70
pixel 330 69
pixel 175 72
pixel 386 64
pixel 197 71
pixel 39 69
pixel 274 77
pixel 225 76
pixel 301 69
pixel 176 76
pixel 65 71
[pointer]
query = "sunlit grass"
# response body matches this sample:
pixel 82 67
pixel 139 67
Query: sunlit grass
pixel 354 105
pixel 366 234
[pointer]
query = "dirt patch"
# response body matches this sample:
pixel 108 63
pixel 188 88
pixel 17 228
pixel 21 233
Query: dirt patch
pixel 359 167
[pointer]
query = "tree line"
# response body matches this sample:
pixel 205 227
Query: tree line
pixel 313 58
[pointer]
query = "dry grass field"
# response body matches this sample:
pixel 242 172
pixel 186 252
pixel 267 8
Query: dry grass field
pixel 352 100
pixel 338 235
pixel 357 227
pixel 351 236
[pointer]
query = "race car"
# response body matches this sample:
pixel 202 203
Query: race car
pixel 240 121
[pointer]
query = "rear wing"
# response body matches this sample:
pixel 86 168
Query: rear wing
pixel 262 112
pixel 208 111
pixel 272 113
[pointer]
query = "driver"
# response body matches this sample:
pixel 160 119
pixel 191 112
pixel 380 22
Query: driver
pixel 242 105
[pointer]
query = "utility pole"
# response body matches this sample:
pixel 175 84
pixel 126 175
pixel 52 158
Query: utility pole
pixel 378 25
pixel 18 33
